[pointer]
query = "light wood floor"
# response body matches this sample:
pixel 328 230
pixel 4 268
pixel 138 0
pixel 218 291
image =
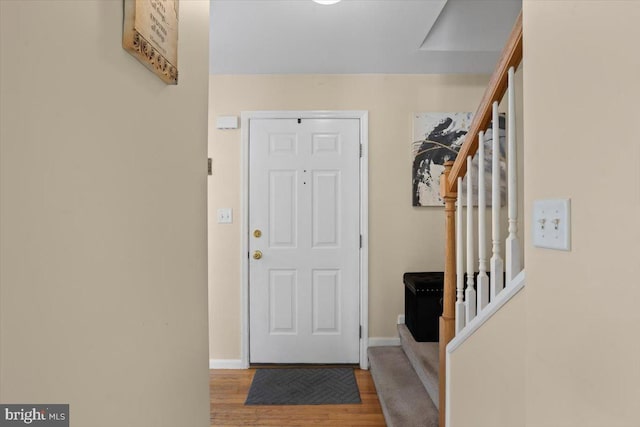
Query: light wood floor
pixel 229 390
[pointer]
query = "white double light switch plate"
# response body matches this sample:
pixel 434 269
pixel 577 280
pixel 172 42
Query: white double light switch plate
pixel 225 216
pixel 552 224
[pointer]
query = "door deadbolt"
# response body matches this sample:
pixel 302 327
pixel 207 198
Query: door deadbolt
pixel 257 255
pixel 257 234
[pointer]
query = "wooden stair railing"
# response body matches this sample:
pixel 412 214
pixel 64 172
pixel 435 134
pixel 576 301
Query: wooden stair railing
pixel 510 58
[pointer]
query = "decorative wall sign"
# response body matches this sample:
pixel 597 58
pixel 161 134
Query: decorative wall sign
pixel 150 33
pixel 437 139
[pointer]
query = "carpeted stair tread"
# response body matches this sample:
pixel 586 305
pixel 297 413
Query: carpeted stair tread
pixel 424 357
pixel 404 400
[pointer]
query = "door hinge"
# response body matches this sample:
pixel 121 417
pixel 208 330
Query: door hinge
pixel 210 166
pixel 361 150
pixel 361 241
pixel 360 331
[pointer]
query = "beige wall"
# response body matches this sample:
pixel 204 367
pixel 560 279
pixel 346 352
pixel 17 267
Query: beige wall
pixel 488 370
pixel 402 238
pixel 102 218
pixel 582 141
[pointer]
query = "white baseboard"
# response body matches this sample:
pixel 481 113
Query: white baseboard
pixel 226 364
pixel 384 341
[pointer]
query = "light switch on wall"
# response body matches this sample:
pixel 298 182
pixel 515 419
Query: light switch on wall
pixel 552 224
pixel 225 216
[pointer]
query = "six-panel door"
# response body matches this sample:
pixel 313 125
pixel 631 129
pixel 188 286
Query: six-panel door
pixel 304 266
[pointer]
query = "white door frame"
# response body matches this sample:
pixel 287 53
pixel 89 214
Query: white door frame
pixel 363 116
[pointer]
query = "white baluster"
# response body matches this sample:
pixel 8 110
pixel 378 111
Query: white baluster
pixel 497 265
pixel 470 294
pixel 483 279
pixel 512 245
pixel 460 322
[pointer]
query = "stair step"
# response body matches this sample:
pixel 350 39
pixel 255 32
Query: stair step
pixel 404 400
pixel 424 357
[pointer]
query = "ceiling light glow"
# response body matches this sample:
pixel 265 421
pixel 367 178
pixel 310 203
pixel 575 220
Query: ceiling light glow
pixel 326 1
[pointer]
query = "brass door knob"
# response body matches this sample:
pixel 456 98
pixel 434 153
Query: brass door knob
pixel 257 234
pixel 257 255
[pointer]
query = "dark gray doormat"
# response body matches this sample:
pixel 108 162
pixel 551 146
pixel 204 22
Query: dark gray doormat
pixel 303 386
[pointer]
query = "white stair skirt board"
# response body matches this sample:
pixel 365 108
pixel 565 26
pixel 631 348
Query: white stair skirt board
pixel 503 297
pixel 383 341
pixel 226 364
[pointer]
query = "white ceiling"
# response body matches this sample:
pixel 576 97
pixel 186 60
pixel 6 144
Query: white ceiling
pixel 359 36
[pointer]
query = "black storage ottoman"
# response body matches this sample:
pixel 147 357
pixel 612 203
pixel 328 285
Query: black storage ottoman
pixel 423 304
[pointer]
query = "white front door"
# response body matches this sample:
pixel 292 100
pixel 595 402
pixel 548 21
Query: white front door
pixel 304 222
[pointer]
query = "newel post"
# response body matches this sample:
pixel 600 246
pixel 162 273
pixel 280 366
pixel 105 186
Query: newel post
pixel 447 320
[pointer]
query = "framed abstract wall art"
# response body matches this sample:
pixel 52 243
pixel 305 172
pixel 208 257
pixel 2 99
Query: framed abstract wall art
pixel 437 138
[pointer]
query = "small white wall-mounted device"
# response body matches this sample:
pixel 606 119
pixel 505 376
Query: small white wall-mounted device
pixel 552 224
pixel 227 122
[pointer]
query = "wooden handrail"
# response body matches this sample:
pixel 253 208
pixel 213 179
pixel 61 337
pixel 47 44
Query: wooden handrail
pixel 511 57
